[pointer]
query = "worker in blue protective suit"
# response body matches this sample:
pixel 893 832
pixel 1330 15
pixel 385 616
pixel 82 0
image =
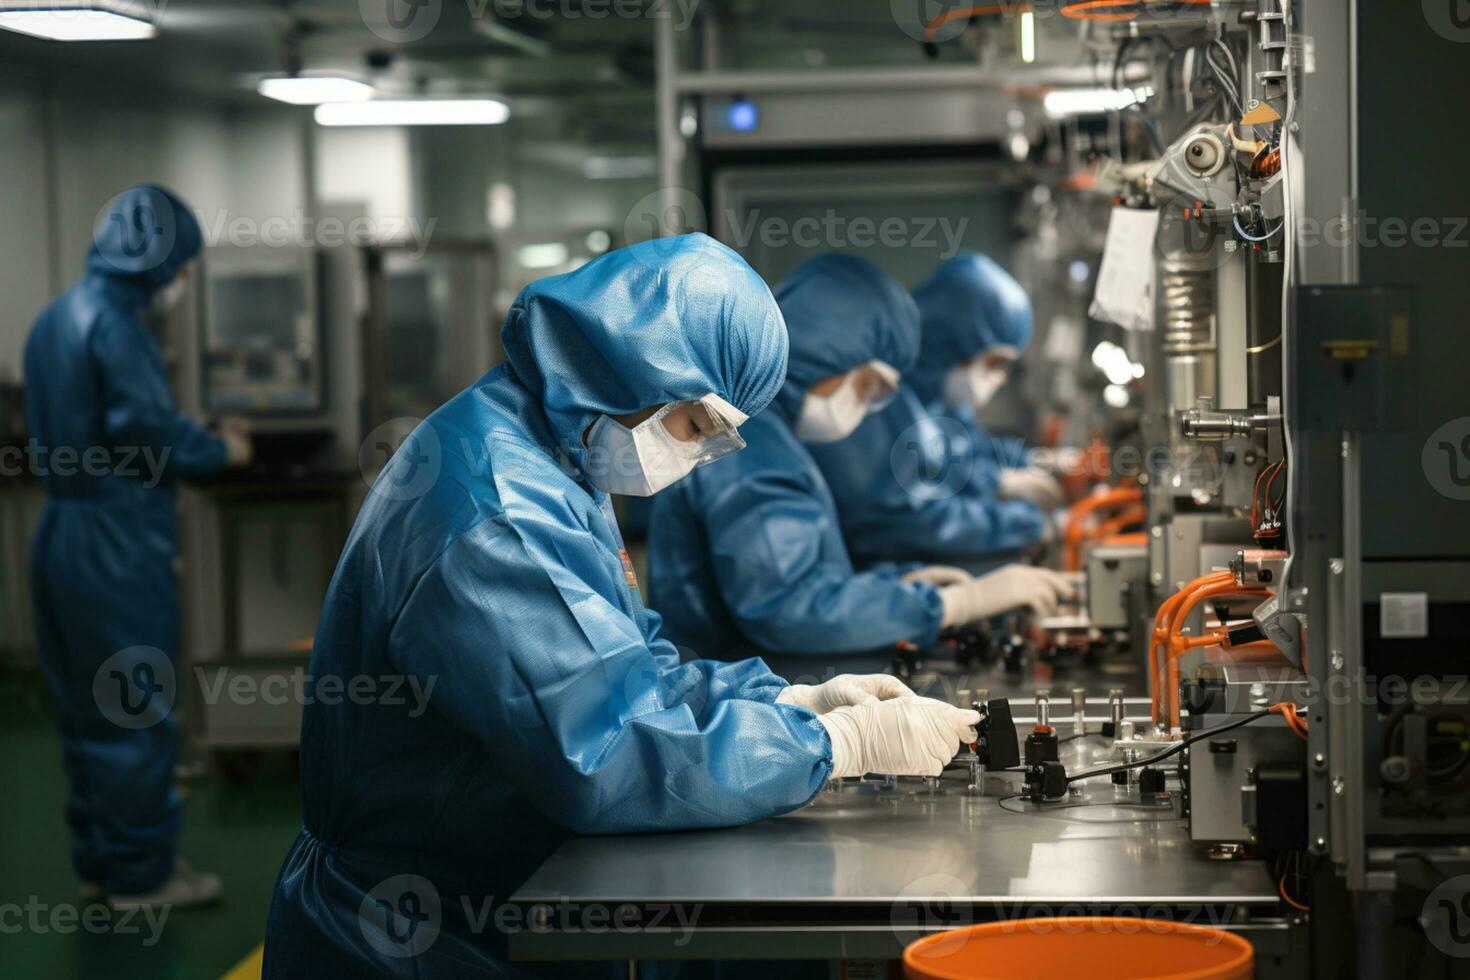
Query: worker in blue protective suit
pixel 976 322
pixel 747 554
pixel 904 490
pixel 108 446
pixel 486 571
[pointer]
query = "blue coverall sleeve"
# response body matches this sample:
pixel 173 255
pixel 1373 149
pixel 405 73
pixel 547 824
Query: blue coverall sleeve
pixel 935 521
pixel 664 651
pixel 138 410
pixel 751 677
pixel 765 541
pixel 958 527
pixel 559 686
pixel 930 498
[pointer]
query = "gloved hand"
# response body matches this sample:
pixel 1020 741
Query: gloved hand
pixel 239 450
pixel 844 689
pixel 902 737
pixel 1006 588
pixel 1031 483
pixel 939 575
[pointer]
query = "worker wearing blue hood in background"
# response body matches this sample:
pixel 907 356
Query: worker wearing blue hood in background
pixel 109 446
pixel 487 569
pixel 747 554
pixel 976 322
pixel 903 490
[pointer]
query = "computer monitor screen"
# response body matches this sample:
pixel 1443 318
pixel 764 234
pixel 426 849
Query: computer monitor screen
pixel 261 351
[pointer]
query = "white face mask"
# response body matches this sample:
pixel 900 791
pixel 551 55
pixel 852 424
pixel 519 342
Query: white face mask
pixel 834 417
pixel 973 384
pixel 641 461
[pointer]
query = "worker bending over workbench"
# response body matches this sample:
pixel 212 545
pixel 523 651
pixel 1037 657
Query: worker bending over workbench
pixel 486 565
pixel 918 480
pixel 747 555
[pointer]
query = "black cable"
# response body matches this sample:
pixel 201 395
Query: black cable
pixel 1172 750
pixel 1048 808
pixel 957 765
pixel 1120 63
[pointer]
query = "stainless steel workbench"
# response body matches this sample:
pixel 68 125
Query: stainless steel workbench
pixel 866 868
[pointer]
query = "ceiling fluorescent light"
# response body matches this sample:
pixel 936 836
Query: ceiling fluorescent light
pixel 413 112
pixel 314 89
pixel 57 22
pixel 545 255
pixel 618 168
pixel 501 33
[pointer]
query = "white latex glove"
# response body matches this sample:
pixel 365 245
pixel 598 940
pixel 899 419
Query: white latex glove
pixel 239 450
pixel 902 737
pixel 845 689
pixel 1006 588
pixel 1031 483
pixel 939 575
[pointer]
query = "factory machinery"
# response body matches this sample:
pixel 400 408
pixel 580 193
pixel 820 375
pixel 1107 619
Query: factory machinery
pixel 1184 554
pixel 1266 540
pixel 1270 537
pixel 1271 529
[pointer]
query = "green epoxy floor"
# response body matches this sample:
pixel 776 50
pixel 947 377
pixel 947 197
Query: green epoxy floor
pixel 237 829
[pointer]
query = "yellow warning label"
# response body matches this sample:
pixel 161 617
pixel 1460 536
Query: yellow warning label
pixel 1259 114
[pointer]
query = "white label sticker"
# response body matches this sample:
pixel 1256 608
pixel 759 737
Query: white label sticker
pixel 1404 614
pixel 1125 283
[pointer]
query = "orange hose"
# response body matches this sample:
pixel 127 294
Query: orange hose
pixel 1173 651
pixel 1014 7
pixel 1128 539
pixel 1077 518
pixel 1294 721
pixel 1133 515
pixel 1096 9
pixel 1161 619
pixel 1281 887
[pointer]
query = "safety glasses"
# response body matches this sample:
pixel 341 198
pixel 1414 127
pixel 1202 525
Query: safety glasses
pixel 700 431
pixel 883 382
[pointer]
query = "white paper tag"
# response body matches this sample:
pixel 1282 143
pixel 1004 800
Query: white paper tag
pixel 1125 282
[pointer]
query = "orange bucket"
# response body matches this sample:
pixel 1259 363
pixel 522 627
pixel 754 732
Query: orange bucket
pixel 1095 948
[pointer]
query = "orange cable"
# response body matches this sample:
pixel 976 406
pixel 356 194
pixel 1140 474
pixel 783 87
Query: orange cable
pixel 1096 9
pixel 1165 610
pixel 1133 515
pixel 1291 715
pixel 1077 517
pixel 1171 655
pixel 965 12
pixel 1281 887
